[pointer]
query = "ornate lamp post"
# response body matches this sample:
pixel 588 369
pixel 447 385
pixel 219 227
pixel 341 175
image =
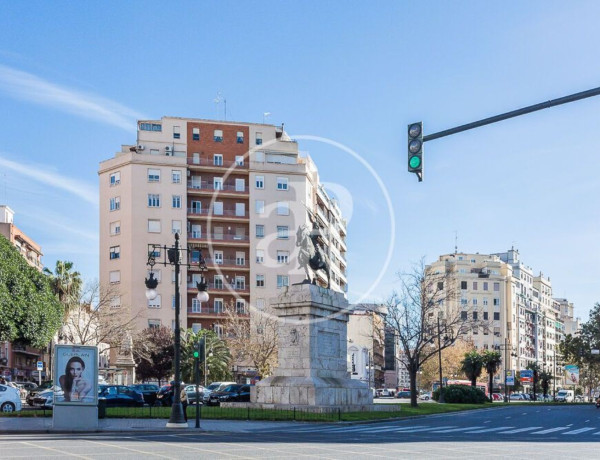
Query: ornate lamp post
pixel 172 256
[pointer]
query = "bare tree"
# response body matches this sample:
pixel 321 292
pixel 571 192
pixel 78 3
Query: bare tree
pixel 252 340
pixel 426 316
pixel 95 319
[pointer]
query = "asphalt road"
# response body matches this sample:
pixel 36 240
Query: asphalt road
pixel 515 432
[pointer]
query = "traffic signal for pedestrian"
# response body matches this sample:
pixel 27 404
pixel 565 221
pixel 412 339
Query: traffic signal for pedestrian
pixel 415 149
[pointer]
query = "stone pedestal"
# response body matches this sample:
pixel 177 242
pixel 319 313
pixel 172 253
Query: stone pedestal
pixel 313 369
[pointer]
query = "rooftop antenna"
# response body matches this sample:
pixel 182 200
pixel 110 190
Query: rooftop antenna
pixel 217 100
pixel 265 116
pixel 455 242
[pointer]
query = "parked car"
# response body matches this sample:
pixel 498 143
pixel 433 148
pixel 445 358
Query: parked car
pixel 517 397
pixel 231 393
pixel 215 386
pixel 384 393
pixel 497 397
pixel 565 396
pixel 28 385
pixel 10 400
pixel 32 393
pixel 403 394
pixel 120 396
pixel 425 397
pixel 45 399
pixel 148 391
pixel 164 396
pixel 190 391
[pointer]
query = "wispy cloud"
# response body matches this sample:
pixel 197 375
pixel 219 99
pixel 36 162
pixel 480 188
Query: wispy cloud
pixel 73 186
pixel 26 86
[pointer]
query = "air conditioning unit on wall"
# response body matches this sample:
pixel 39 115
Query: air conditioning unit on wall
pixel 140 147
pixel 168 148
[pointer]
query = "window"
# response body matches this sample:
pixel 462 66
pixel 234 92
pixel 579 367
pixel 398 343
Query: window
pixel 463 315
pixel 196 327
pixel 115 252
pixel 176 132
pixel 260 182
pixel 240 258
pixel 196 207
pixel 153 226
pixel 240 185
pixel 196 306
pixel 496 301
pixel 115 203
pixel 176 176
pixel 260 280
pixel 176 201
pixel 239 160
pixel 154 303
pixel 218 160
pixel 283 208
pixel 153 175
pixel 282 183
pixel 463 285
pixel 259 206
pixel 240 209
pixel 240 137
pixel 218 255
pixel 115 301
pixel 260 231
pixel 474 285
pixel 485 301
pixel 485 316
pixel 240 306
pixel 218 135
pixel 115 178
pixel 474 315
pixel 496 316
pixel 115 228
pixel 485 286
pixel 195 134
pixel 260 256
pixel 176 226
pixel 196 231
pixel 282 232
pixel 218 183
pixel 440 285
pixel 153 200
pixel 260 304
pixel 282 281
pixel 474 302
pixel 240 283
pixel 283 257
pixel 218 281
pixel 258 138
pixel 114 277
pixel 464 301
pixel 151 127
pixel 218 305
pixel 218 329
pixel 496 287
pixel 218 208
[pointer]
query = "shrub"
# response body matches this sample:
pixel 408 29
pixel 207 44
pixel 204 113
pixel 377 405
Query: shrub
pixel 461 394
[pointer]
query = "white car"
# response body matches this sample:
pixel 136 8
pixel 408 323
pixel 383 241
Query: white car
pixel 10 399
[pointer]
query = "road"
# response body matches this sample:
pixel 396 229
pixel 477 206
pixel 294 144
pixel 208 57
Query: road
pixel 527 432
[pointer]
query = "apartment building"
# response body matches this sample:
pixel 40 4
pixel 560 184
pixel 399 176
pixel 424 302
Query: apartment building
pixel 19 362
pixel 237 193
pixel 366 344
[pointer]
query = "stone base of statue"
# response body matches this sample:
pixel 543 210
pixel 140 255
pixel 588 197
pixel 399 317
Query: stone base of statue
pixel 313 370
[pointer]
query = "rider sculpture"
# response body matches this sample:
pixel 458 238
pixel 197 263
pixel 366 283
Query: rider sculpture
pixel 311 254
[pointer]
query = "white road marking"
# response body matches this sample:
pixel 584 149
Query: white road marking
pixel 488 430
pixel 580 430
pixel 426 428
pixel 453 430
pixel 61 452
pixel 551 430
pixel 521 430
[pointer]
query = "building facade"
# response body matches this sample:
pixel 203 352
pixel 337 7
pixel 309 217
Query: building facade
pixel 366 344
pixel 18 362
pixel 237 193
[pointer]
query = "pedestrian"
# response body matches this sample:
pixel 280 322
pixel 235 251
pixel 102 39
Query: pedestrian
pixel 184 403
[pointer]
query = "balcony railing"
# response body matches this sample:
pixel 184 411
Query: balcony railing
pixel 220 164
pixel 224 213
pixel 218 237
pixel 223 287
pixel 227 262
pixel 211 187
pixel 211 310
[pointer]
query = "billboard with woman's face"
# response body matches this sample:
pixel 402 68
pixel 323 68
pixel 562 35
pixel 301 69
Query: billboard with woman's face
pixel 76 370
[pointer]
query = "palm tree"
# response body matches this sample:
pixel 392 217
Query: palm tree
pixel 472 366
pixel 218 356
pixel 66 283
pixel 491 361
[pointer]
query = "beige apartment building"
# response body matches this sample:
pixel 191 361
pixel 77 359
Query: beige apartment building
pixel 237 192
pixel 19 362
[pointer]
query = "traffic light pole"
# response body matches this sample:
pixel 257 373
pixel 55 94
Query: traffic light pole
pixel 515 113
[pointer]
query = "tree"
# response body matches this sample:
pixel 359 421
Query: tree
pixel 536 370
pixel 253 340
pixel 67 284
pixel 218 356
pixel 472 366
pixel 153 353
pixel 451 364
pixel 426 317
pixel 29 311
pixel 491 362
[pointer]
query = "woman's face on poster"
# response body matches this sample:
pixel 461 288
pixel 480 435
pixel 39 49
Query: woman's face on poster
pixel 75 369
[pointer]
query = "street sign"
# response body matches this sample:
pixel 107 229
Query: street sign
pixel 527 376
pixel 510 377
pixel 40 365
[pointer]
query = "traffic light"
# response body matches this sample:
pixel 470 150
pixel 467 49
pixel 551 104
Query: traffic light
pixel 199 349
pixel 415 149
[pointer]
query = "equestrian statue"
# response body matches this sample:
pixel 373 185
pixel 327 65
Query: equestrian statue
pixel 311 254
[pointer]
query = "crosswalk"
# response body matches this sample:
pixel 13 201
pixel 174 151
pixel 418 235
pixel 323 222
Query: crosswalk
pixel 448 429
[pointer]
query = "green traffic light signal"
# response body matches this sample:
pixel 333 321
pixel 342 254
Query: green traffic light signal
pixel 196 354
pixel 415 149
pixel 415 162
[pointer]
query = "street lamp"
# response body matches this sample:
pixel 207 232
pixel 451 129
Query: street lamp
pixel 441 400
pixel 172 256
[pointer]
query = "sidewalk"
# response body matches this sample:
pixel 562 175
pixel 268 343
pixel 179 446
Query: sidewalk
pixel 25 425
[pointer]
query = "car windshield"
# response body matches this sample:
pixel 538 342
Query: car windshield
pixel 213 386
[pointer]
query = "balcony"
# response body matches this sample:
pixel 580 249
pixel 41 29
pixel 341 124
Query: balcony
pixel 221 189
pixel 222 288
pixel 210 163
pixel 226 263
pixel 225 214
pixel 216 238
pixel 210 310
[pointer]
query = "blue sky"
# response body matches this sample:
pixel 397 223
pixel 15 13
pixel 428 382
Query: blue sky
pixel 74 77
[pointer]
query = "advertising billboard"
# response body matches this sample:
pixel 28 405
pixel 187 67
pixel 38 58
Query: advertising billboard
pixel 77 370
pixel 526 376
pixel 571 374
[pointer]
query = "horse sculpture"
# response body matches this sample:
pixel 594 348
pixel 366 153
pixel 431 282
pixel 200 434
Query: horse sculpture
pixel 311 254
